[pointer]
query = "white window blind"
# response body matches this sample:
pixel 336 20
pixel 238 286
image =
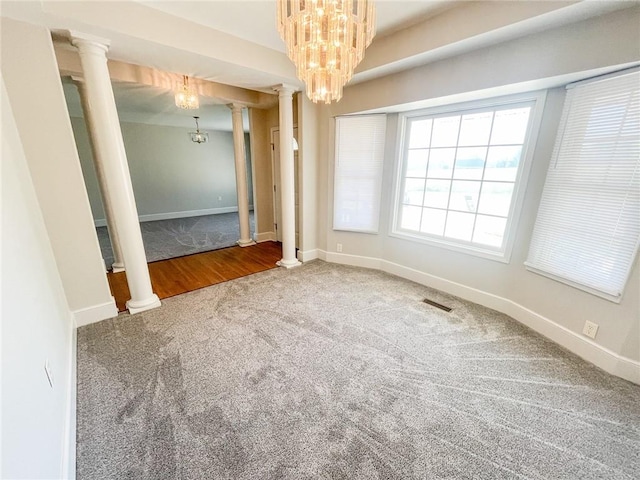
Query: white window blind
pixel 588 225
pixel 358 172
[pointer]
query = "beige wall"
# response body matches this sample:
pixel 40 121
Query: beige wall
pixel 262 124
pixel 35 92
pixel 170 173
pixel 259 121
pixel 593 44
pixel 610 39
pixel 37 327
pixel 307 120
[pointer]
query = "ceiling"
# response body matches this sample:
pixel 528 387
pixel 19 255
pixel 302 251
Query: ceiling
pixel 255 20
pixel 155 106
pixel 235 42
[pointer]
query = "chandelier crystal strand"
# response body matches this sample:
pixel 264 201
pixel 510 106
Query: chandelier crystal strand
pixel 187 97
pixel 326 40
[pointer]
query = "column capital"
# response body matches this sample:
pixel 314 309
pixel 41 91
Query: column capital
pixel 77 80
pixel 88 42
pixel 285 89
pixel 236 107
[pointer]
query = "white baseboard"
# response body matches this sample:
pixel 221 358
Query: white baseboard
pixel 69 455
pixel 101 222
pixel 95 313
pixel 353 260
pixel 626 368
pixel 308 255
pixel 265 237
pixel 582 346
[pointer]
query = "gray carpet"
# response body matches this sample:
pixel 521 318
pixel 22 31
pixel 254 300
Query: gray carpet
pixel 182 236
pixel 336 372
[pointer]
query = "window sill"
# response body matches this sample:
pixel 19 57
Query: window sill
pixel 584 288
pixel 473 250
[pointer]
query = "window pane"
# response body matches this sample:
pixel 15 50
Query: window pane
pixel 437 194
pixel 433 221
pixel 460 164
pixel 470 163
pixel 489 230
pixel 410 217
pixel 441 162
pixel 502 163
pixel 413 191
pixel 464 196
pixel 496 198
pixel 445 131
pixel 475 129
pixel 417 163
pixel 420 134
pixel 459 225
pixel 510 126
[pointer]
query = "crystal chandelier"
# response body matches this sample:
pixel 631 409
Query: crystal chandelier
pixel 187 96
pixel 198 136
pixel 325 40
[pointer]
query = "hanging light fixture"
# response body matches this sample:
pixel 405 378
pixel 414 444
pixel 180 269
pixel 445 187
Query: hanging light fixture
pixel 187 96
pixel 326 40
pixel 198 136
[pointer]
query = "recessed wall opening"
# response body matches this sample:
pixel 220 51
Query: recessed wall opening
pixel 185 191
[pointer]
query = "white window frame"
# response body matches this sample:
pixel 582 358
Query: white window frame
pixel 378 179
pixel 537 99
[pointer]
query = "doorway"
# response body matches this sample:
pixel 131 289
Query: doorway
pixel 185 191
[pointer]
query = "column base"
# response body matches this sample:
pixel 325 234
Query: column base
pixel 141 305
pixel 117 267
pixel 246 243
pixel 288 263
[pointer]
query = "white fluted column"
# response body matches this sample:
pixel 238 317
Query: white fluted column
pixel 118 264
pixel 108 142
pixel 241 176
pixel 287 178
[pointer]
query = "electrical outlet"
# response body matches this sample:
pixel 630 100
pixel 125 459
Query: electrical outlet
pixel 339 248
pixel 590 329
pixel 49 372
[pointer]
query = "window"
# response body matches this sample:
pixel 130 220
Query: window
pixel 461 171
pixel 358 172
pixel 588 225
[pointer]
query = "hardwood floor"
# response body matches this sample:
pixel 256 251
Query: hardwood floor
pixel 184 274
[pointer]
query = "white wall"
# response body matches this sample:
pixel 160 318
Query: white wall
pixel 169 172
pixel 35 91
pixel 36 326
pixel 596 43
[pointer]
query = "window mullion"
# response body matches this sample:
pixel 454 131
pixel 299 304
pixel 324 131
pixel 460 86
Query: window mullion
pixel 426 177
pixel 484 170
pixel 453 170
